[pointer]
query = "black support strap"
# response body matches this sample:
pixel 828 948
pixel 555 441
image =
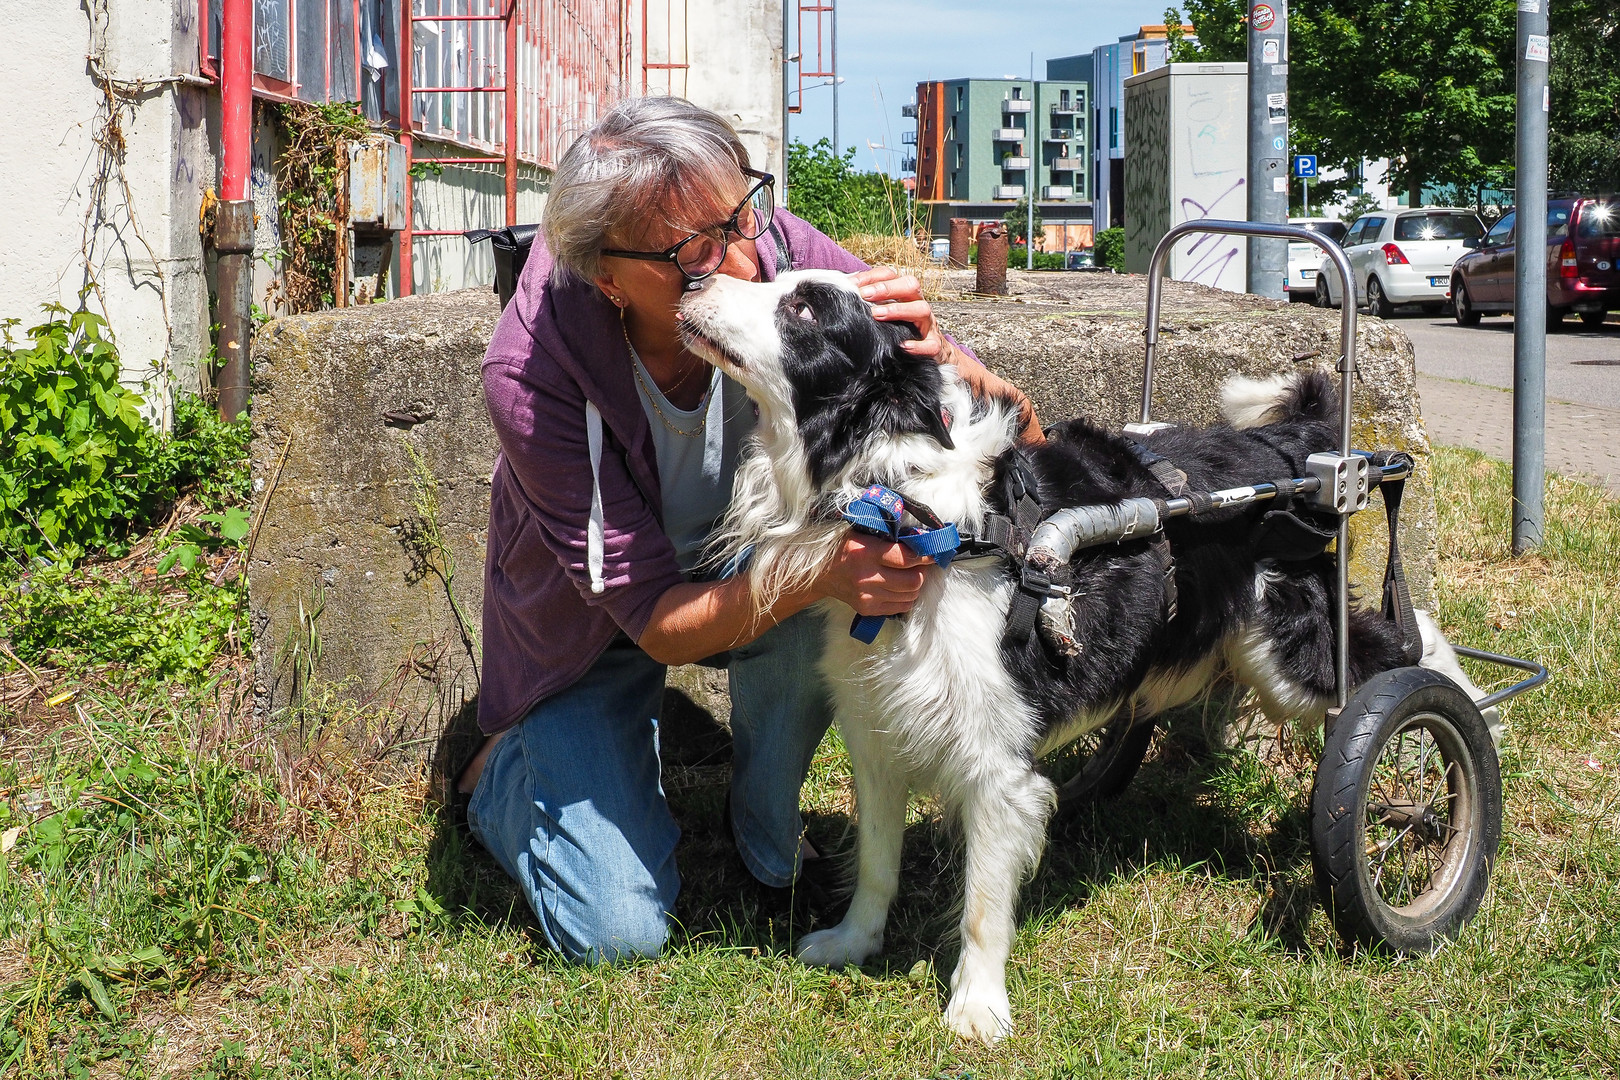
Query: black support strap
pixel 1397 600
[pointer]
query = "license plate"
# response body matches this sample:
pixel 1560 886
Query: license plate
pixel 1438 282
pixel 1308 275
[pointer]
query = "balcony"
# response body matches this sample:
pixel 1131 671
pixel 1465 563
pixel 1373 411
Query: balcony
pixel 908 164
pixel 1007 191
pixel 1007 134
pixel 1016 105
pixel 1059 109
pixel 1068 164
pixel 908 138
pixel 909 111
pixel 1057 191
pixel 1015 162
pixel 1058 135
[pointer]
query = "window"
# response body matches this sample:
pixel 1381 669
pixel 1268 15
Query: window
pixel 1113 129
pixel 1501 232
pixel 958 155
pixel 1063 99
pixel 953 185
pixel 961 92
pixel 1370 228
pixel 1599 219
pixel 1437 227
pixel 1018 93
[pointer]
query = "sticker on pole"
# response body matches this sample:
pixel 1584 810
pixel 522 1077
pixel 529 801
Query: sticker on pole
pixel 1532 6
pixel 1263 17
pixel 1305 166
pixel 1279 183
pixel 1271 50
pixel 1277 108
pixel 1536 47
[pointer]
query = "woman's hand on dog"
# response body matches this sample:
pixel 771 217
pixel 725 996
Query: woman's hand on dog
pixel 897 297
pixel 874 576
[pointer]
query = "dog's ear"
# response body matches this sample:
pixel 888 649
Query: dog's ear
pixel 913 384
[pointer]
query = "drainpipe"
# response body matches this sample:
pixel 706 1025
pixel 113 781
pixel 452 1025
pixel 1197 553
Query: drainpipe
pixel 233 228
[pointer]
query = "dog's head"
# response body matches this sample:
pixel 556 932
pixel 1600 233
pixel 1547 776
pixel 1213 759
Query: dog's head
pixel 815 361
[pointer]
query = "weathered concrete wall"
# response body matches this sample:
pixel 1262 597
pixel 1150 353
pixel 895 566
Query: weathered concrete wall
pixel 344 534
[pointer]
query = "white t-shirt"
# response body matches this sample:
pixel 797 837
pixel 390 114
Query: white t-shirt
pixel 697 453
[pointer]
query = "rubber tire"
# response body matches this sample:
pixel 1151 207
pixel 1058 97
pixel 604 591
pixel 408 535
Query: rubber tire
pixel 1338 812
pixel 1324 297
pixel 1593 320
pixel 1111 769
pixel 1377 302
pixel 1463 304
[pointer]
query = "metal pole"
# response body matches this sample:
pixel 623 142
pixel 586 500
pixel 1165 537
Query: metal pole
pixel 407 271
pixel 233 227
pixel 509 26
pixel 1267 259
pixel 1031 126
pixel 837 149
pixel 1530 285
pixel 785 61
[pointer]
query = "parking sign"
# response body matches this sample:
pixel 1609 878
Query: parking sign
pixel 1305 165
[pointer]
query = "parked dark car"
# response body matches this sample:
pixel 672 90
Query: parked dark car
pixel 1583 264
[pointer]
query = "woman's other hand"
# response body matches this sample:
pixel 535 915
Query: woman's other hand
pixel 874 576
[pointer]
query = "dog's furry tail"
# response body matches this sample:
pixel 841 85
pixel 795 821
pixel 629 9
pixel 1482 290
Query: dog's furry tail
pixel 1302 395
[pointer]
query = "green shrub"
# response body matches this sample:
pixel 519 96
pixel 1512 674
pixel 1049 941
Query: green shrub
pixel 69 617
pixel 827 191
pixel 79 464
pixel 1044 260
pixel 1110 248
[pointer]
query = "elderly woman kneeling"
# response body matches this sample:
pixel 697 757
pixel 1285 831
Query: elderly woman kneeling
pixel 618 449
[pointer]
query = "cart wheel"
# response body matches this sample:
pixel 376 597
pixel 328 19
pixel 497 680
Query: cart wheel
pixel 1100 764
pixel 1406 812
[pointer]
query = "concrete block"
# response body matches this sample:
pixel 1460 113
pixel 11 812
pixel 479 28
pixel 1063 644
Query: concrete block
pixel 347 585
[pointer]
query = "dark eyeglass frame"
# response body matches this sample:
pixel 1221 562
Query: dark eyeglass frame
pixel 731 227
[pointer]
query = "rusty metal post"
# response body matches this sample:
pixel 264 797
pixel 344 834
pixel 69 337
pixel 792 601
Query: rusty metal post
pixel 233 240
pixel 961 240
pixel 993 261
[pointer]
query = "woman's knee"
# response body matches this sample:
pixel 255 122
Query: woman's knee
pixel 608 930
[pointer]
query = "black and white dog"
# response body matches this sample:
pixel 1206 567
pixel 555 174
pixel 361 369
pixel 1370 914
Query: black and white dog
pixel 944 698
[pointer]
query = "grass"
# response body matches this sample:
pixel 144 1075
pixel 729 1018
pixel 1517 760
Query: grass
pixel 191 894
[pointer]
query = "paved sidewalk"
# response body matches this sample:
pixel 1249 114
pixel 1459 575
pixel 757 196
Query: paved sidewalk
pixel 1582 440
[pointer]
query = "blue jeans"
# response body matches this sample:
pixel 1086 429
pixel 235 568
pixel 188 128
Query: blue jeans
pixel 571 806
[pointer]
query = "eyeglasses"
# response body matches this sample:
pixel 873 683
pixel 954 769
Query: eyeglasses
pixel 700 254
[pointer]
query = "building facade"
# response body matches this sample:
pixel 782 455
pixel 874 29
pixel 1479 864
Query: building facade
pixel 111 156
pixel 1107 67
pixel 982 144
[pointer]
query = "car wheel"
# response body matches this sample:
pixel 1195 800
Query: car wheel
pixel 1463 304
pixel 1593 320
pixel 1324 298
pixel 1377 302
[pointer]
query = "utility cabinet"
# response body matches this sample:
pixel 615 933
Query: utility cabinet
pixel 1187 149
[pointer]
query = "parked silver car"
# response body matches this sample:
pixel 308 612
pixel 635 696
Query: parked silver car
pixel 1402 257
pixel 1303 256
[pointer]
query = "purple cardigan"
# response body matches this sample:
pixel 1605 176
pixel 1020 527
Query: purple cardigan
pixel 557 377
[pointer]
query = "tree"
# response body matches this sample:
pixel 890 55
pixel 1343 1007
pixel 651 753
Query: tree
pixel 1108 249
pixel 1428 85
pixel 1583 145
pixel 827 191
pixel 1017 222
pixel 1221 32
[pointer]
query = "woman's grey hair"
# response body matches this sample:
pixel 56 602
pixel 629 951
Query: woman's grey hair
pixel 648 157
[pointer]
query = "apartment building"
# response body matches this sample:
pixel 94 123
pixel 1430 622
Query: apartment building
pixel 1106 68
pixel 983 143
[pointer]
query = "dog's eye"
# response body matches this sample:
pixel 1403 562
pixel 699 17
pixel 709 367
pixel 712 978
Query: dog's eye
pixel 804 312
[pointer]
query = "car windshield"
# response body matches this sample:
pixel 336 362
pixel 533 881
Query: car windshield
pixel 1437 227
pixel 1333 230
pixel 1599 219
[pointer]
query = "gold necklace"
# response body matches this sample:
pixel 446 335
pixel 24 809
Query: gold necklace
pixel 703 403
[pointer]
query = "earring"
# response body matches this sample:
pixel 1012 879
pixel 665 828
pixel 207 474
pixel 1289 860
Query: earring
pixel 618 300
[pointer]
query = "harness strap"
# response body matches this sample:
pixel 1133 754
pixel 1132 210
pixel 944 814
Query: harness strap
pixel 1397 600
pixel 1174 482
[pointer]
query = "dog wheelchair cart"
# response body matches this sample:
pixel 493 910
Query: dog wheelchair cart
pixel 1406 807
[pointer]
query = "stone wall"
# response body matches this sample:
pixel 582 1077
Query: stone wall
pixel 357 414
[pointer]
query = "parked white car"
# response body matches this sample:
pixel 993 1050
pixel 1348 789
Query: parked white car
pixel 1401 257
pixel 1303 257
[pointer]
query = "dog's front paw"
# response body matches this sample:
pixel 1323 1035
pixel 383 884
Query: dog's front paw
pixel 837 947
pixel 980 1013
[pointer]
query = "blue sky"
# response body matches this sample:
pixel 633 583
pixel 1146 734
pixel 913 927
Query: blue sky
pixel 886 47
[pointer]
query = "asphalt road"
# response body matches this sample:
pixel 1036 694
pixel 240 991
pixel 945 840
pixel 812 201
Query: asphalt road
pixel 1464 371
pixel 1583 366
